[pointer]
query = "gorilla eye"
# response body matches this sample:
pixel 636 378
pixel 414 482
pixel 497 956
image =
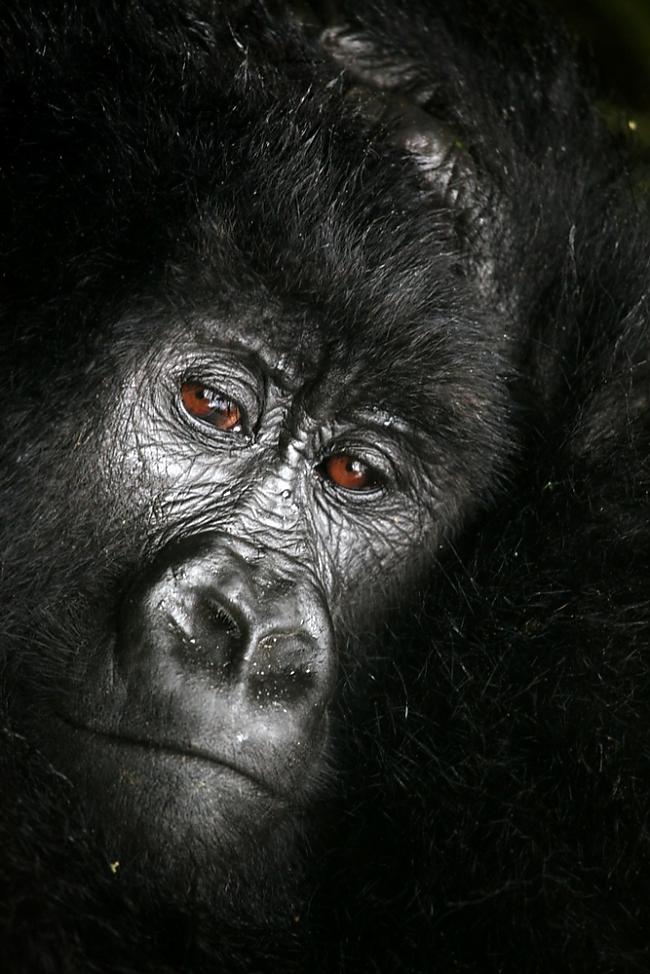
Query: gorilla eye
pixel 349 473
pixel 211 406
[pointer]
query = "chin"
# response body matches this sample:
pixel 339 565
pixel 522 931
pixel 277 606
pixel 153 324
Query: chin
pixel 180 821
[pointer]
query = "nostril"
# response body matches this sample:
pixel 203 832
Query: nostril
pixel 212 639
pixel 283 669
pixel 215 616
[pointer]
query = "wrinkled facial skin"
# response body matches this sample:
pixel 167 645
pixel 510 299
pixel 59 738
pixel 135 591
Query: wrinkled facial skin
pixel 231 506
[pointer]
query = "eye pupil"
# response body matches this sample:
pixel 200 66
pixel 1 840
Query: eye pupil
pixel 211 406
pixel 348 472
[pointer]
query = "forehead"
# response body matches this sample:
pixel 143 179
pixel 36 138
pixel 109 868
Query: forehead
pixel 288 342
pixel 342 353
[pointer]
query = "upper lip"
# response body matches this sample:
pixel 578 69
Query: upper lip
pixel 171 747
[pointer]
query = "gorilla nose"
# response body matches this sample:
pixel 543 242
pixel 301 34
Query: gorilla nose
pixel 220 626
pixel 262 645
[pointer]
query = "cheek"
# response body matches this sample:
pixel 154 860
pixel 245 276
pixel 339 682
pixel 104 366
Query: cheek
pixel 168 479
pixel 366 558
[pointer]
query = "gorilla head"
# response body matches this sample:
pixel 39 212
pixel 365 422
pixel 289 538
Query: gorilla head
pixel 257 394
pixel 323 495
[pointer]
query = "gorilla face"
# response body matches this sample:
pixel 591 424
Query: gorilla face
pixel 247 493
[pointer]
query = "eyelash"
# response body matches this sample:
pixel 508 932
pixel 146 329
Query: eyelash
pixel 212 407
pixel 348 473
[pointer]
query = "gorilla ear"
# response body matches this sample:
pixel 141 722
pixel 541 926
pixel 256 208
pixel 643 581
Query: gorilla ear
pixel 441 158
pixel 388 94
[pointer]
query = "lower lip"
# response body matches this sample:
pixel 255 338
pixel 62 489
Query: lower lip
pixel 165 748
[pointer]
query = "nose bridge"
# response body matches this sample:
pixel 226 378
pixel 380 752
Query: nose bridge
pixel 272 509
pixel 265 583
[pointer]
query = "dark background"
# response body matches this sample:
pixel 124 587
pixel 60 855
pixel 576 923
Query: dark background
pixel 617 35
pixel 613 38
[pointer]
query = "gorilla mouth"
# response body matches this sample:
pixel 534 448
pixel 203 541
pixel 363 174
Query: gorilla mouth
pixel 173 749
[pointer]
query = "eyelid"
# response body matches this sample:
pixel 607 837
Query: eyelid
pixel 373 457
pixel 376 481
pixel 237 385
pixel 212 407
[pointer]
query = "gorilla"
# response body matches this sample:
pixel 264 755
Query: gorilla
pixel 324 494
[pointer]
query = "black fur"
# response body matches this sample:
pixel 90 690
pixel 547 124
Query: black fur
pixel 485 804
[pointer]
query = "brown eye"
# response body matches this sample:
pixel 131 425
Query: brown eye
pixel 211 407
pixel 348 472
